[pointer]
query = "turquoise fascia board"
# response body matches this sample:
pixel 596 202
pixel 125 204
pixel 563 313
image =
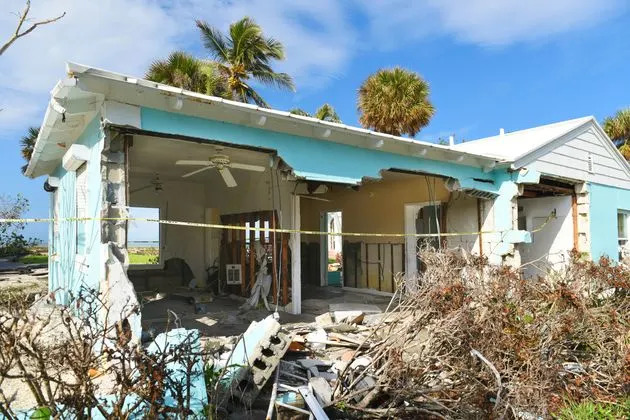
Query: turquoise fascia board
pixel 66 277
pixel 335 162
pixel 307 155
pixel 605 201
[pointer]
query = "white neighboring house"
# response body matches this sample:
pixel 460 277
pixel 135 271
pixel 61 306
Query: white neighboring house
pixel 582 177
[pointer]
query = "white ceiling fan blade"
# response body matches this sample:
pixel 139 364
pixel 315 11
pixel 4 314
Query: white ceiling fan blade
pixel 227 177
pixel 194 162
pixel 246 167
pixel 196 171
pixel 310 197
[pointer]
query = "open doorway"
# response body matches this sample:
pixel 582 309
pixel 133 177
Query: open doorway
pixel 332 249
pixel 548 210
pixel 420 218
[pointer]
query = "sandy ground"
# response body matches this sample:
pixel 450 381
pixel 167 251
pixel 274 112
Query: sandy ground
pixel 218 318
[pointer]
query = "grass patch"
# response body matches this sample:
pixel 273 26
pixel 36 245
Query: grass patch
pixel 34 259
pixel 143 255
pixel 589 410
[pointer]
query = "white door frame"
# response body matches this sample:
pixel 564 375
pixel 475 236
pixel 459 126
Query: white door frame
pixel 323 245
pixel 411 210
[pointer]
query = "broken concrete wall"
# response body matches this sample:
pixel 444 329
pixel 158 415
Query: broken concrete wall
pixel 117 291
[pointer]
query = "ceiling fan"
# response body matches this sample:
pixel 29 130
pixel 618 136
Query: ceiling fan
pixel 222 163
pixel 155 183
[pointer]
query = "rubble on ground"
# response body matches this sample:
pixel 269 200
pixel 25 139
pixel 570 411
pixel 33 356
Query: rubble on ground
pixel 468 340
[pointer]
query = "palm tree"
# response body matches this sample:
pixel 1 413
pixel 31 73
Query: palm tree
pixel 618 129
pixel 183 70
pixel 395 101
pixel 325 112
pixel 27 145
pixel 244 53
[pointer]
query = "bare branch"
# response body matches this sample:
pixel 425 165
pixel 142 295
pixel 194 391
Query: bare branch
pixel 22 18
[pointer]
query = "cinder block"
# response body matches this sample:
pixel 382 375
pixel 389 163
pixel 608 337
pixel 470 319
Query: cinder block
pixel 253 361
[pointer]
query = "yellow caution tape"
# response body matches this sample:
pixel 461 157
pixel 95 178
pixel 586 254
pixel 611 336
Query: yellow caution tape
pixel 551 216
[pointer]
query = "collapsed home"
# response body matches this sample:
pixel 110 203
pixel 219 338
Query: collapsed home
pixel 112 144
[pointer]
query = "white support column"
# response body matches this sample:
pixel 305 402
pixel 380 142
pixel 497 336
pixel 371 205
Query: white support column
pixel 296 264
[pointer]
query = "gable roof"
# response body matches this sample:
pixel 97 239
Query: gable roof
pixel 516 145
pixel 557 150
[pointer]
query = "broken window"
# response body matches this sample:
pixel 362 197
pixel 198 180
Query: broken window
pixel 143 236
pixel 623 233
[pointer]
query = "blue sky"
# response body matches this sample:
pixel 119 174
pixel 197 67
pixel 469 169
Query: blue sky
pixel 490 63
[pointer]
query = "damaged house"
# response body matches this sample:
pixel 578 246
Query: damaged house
pixel 111 143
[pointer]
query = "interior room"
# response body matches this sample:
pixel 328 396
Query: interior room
pixel 179 181
pixel 399 202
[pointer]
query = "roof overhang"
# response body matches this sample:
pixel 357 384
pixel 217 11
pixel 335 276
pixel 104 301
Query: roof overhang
pixel 86 91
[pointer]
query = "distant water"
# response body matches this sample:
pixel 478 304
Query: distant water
pixel 142 244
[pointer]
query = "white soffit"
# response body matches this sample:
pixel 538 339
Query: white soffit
pixel 76 156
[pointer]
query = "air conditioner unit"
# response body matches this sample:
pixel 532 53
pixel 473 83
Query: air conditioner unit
pixel 233 274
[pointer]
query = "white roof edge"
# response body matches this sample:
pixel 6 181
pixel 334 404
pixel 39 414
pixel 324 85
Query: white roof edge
pixel 586 120
pixel 77 69
pixel 590 120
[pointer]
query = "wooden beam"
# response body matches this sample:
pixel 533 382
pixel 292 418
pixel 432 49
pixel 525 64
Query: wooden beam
pixel 480 225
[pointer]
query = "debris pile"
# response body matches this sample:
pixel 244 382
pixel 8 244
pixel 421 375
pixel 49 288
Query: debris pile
pixel 468 340
pixel 463 340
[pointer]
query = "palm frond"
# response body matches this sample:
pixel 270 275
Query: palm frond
pixel 271 78
pixel 214 41
pixel 299 111
pixel 326 112
pixel 618 126
pixel 244 53
pixel 395 101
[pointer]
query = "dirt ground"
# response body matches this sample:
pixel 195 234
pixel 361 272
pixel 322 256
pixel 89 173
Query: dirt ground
pixel 218 318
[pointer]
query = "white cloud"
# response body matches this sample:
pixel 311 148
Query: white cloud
pixel 126 35
pixel 483 22
pixel 321 38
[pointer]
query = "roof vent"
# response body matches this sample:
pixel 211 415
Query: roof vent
pixel 589 163
pixel 501 131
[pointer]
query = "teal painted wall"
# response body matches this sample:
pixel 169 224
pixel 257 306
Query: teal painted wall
pixel 604 203
pixel 329 160
pixel 68 272
pixel 305 154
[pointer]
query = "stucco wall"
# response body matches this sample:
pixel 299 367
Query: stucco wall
pixel 605 201
pixel 68 273
pixel 377 207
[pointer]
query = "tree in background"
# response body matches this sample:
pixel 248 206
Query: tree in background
pixel 12 242
pixel 27 145
pixel 618 129
pixel 325 112
pixel 395 101
pixel 19 32
pixel 242 54
pixel 183 70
